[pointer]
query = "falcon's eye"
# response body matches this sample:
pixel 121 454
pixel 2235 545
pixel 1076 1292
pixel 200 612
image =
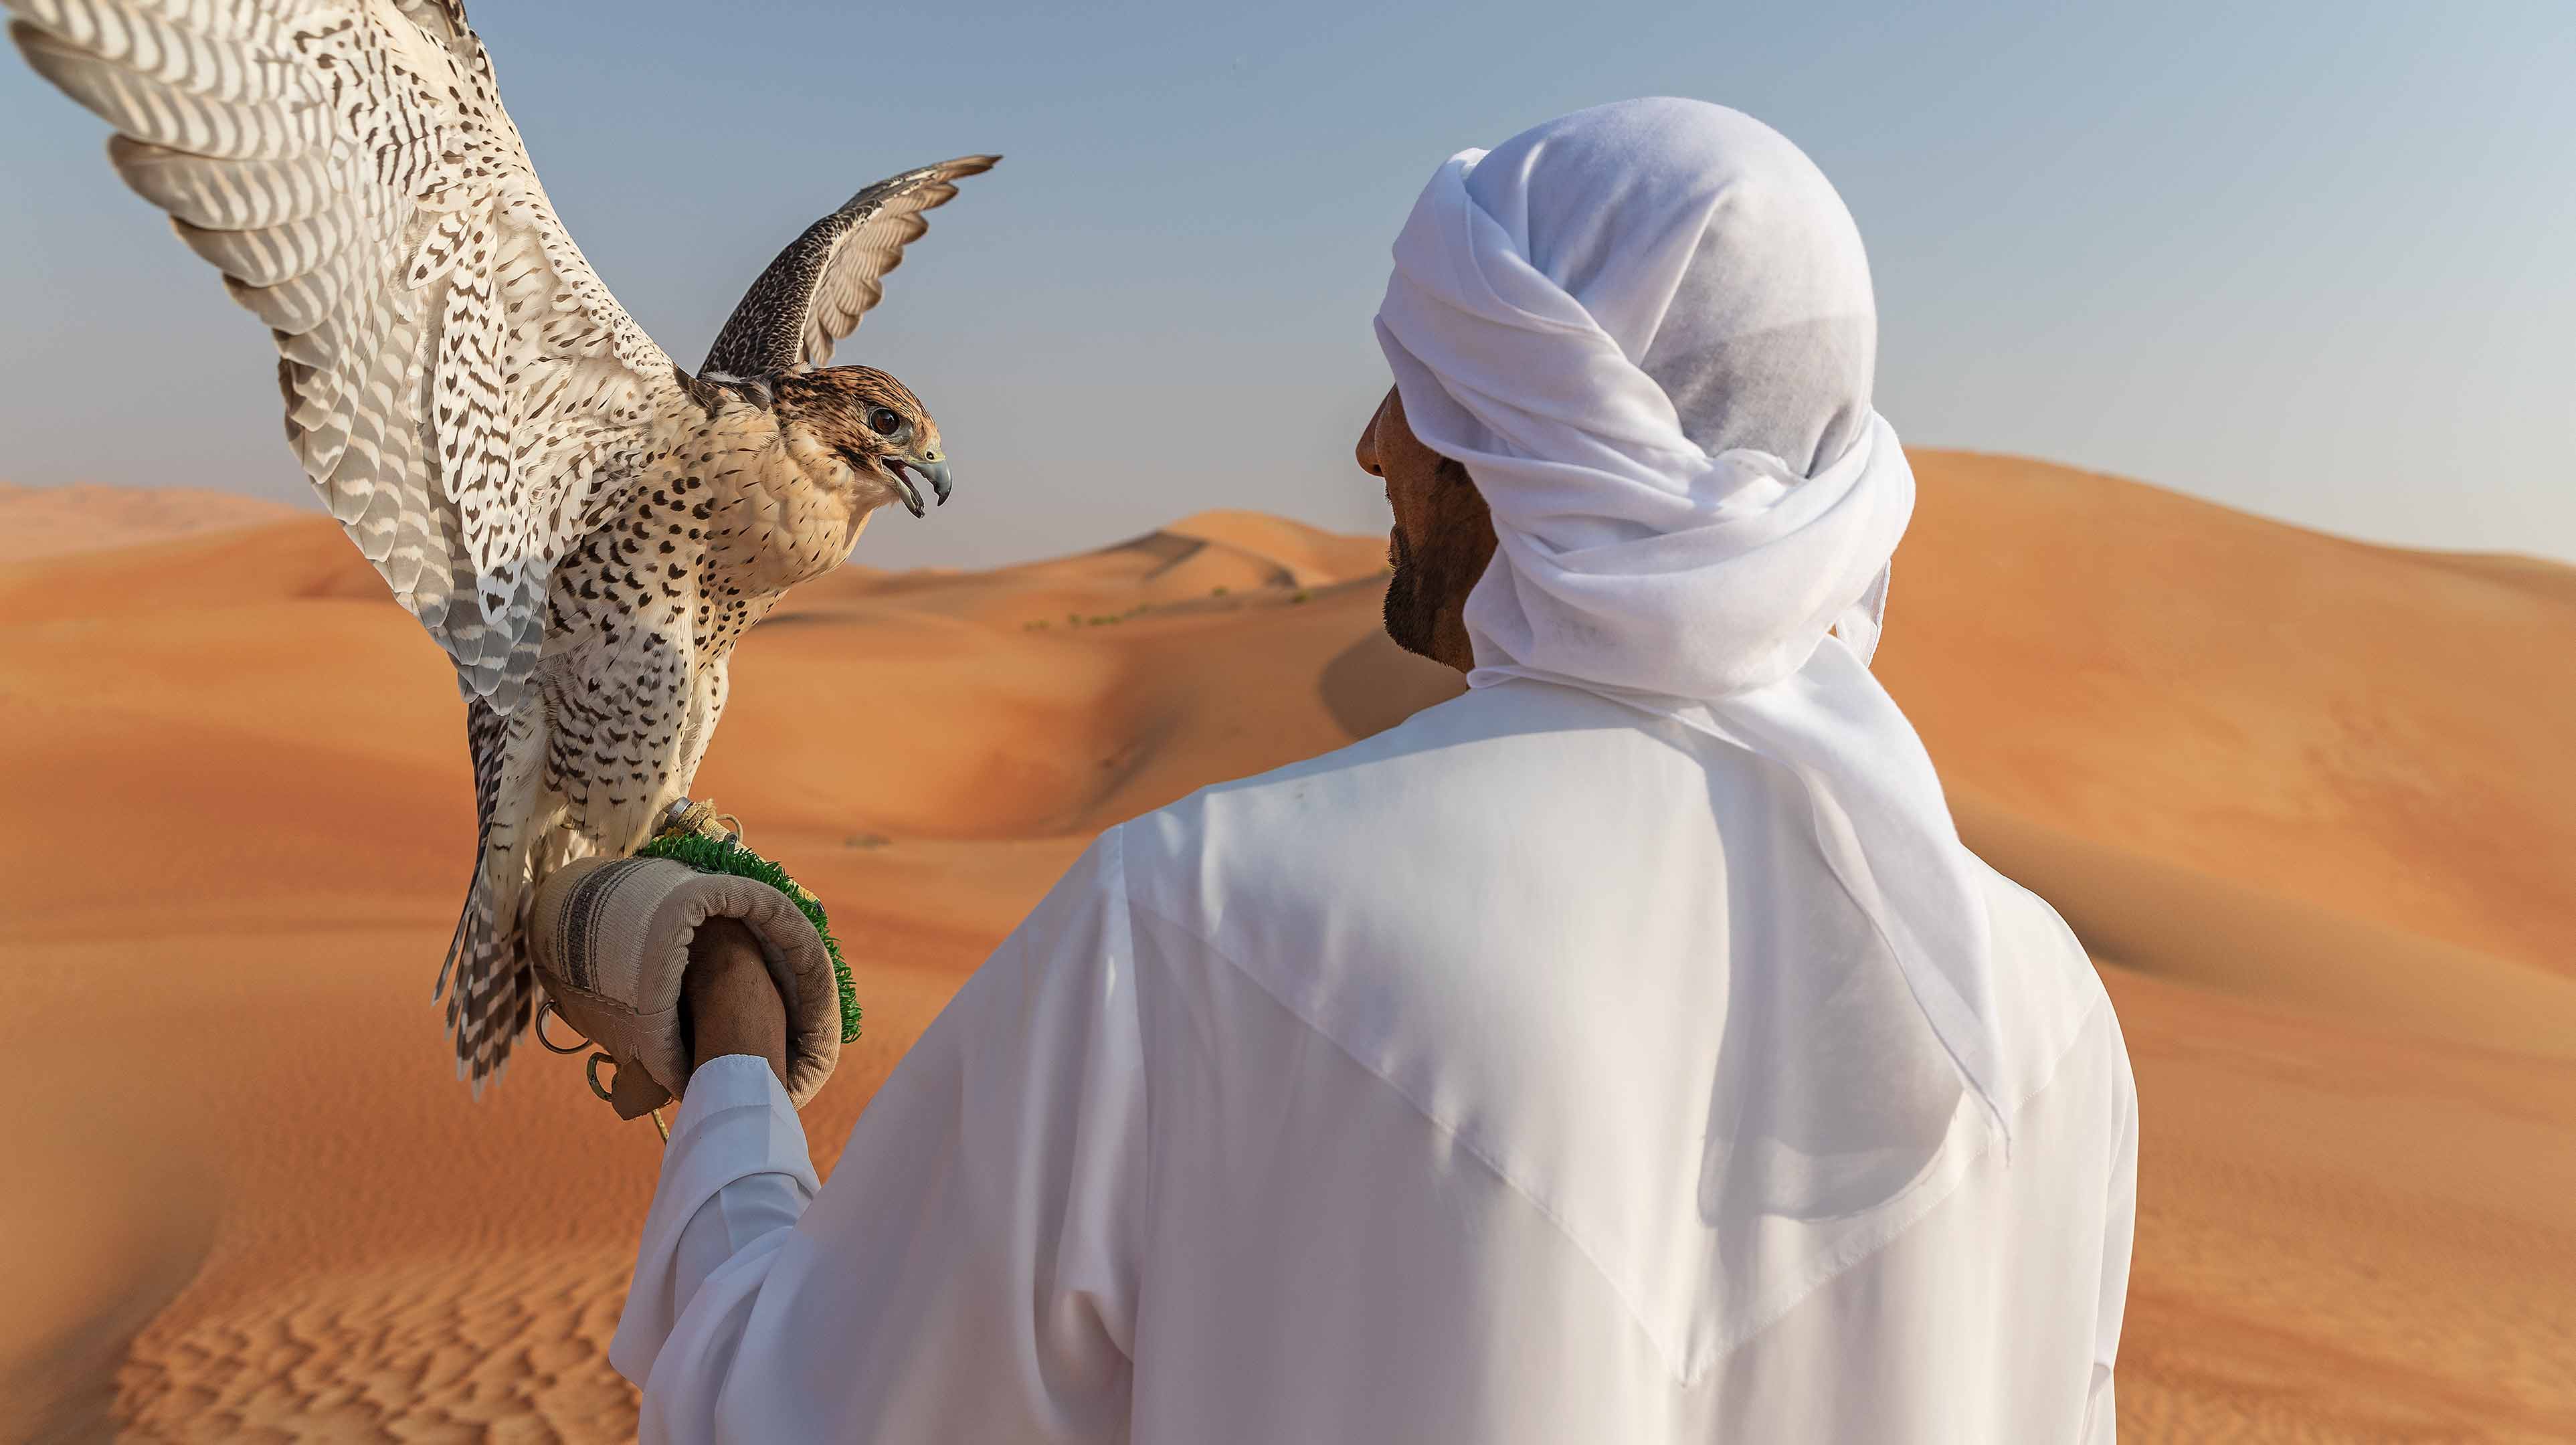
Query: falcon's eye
pixel 885 422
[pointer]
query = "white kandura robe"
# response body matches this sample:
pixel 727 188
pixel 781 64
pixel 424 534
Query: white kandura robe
pixel 1512 1076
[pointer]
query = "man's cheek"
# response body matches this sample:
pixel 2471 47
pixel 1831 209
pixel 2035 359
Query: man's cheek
pixel 1416 516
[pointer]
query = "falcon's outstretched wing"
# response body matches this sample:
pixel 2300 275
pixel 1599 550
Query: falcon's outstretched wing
pixel 819 287
pixel 463 391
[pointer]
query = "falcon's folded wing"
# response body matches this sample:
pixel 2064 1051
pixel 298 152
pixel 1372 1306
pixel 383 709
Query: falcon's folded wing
pixel 819 287
pixel 463 391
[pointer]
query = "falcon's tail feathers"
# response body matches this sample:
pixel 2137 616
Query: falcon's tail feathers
pixel 494 993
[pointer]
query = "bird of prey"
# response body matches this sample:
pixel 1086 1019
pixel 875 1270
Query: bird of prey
pixel 585 528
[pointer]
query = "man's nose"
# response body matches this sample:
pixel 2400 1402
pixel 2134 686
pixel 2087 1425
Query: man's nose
pixel 1366 452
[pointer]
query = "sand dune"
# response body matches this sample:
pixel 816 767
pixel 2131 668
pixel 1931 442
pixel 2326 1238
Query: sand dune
pixel 2306 801
pixel 86 517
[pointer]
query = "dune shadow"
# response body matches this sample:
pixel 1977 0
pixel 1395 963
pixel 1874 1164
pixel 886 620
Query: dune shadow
pixel 1373 684
pixel 129 1220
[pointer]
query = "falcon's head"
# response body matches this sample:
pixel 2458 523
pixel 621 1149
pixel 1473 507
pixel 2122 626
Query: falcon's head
pixel 859 421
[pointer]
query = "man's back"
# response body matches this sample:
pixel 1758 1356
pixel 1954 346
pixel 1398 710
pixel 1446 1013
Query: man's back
pixel 1521 1074
pixel 1515 1077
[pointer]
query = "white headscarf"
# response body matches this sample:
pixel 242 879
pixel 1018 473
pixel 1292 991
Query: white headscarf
pixel 1647 331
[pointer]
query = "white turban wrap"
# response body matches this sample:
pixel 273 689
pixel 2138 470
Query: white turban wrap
pixel 1647 331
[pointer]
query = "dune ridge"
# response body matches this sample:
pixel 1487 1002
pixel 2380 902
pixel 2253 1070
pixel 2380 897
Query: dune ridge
pixel 90 517
pixel 2304 800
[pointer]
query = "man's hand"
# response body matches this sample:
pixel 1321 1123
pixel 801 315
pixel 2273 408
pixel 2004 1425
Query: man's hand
pixel 664 967
pixel 729 1005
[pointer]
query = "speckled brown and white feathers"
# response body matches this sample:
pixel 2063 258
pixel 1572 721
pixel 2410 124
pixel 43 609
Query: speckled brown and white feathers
pixel 814 293
pixel 462 390
pixel 582 527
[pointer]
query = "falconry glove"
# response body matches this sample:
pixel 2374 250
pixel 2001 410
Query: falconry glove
pixel 610 941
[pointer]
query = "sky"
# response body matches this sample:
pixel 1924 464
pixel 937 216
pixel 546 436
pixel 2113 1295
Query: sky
pixel 2316 261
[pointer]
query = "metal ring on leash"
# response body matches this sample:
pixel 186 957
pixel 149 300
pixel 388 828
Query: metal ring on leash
pixel 580 1043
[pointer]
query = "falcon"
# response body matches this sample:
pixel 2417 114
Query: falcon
pixel 585 528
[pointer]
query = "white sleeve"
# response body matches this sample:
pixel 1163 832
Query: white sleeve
pixel 2119 1232
pixel 969 1271
pixel 736 1172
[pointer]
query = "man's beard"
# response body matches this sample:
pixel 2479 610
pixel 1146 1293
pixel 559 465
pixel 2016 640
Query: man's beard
pixel 1412 600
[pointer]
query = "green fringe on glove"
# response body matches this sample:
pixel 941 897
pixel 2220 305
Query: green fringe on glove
pixel 719 853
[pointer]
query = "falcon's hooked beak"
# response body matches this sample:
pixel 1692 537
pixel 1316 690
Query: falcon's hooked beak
pixel 909 472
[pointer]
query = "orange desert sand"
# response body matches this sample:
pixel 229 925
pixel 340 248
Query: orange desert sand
pixel 2311 804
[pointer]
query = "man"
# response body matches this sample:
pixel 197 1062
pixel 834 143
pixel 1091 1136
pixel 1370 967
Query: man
pixel 1626 1050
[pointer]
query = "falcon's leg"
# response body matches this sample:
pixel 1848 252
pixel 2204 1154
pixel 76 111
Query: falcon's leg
pixel 581 766
pixel 619 694
pixel 706 704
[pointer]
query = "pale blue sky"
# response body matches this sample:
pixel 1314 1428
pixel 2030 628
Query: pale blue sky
pixel 2314 260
